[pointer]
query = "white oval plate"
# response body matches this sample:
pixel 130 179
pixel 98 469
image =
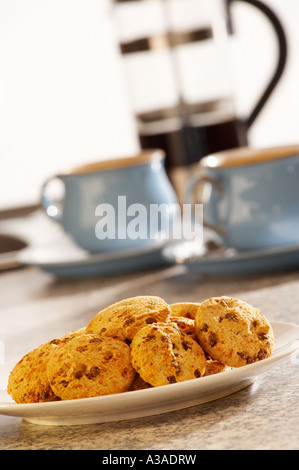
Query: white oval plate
pixel 154 400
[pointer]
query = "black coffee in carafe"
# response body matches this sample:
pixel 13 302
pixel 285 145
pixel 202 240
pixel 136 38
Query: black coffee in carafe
pixel 186 139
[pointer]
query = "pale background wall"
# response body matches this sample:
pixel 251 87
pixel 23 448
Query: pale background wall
pixel 63 97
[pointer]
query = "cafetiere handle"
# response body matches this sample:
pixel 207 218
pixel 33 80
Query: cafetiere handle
pixel 282 57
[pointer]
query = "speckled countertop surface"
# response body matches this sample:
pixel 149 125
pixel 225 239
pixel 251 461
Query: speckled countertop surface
pixel 35 307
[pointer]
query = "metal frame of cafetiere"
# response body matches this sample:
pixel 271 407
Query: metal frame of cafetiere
pixel 175 56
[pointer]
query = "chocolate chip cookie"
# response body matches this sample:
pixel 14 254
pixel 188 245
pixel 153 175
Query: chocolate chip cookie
pixel 186 325
pixel 123 319
pixel 162 355
pixel 215 367
pixel 89 366
pixel 233 332
pixel 184 309
pixel 28 381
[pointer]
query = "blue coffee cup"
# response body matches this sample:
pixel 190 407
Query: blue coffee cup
pixel 250 197
pixel 107 205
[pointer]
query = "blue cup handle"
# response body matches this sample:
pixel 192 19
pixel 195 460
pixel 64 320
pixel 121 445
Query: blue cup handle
pixel 51 207
pixel 194 183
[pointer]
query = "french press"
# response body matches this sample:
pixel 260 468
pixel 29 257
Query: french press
pixel 175 58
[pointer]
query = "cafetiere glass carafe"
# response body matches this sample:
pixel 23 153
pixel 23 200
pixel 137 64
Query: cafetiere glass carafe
pixel 175 55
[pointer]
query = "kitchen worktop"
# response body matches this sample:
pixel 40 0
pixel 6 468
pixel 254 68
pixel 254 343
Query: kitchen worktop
pixel 35 307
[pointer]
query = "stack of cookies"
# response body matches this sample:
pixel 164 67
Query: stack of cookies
pixel 143 342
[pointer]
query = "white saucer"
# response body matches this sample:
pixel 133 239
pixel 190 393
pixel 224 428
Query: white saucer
pixel 154 400
pixel 230 261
